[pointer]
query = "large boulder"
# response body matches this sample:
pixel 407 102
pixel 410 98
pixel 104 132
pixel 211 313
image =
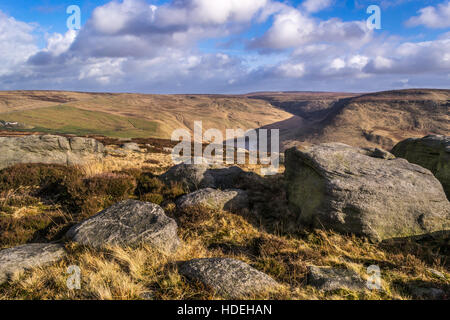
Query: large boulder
pixel 231 200
pixel 48 149
pixel 343 188
pixel 199 176
pixel 128 223
pixel 18 259
pixel 431 152
pixel 229 277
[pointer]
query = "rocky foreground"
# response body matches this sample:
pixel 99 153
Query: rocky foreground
pixel 368 195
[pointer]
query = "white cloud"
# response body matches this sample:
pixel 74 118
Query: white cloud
pixel 136 47
pixel 292 29
pixel 338 64
pixel 432 17
pixel 17 43
pixel 316 5
pixel 427 57
pixel 58 43
pixel 220 12
pixel 102 70
pixel 292 70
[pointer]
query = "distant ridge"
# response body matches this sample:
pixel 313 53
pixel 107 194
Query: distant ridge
pixel 378 119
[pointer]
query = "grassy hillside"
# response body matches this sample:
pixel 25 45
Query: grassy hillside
pixel 71 120
pixel 167 112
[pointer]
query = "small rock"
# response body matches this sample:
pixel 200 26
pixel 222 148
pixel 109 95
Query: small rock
pixel 200 176
pixel 118 153
pixel 229 277
pixel 329 279
pixel 128 222
pixel 147 295
pixel 131 146
pixel 230 200
pixel 379 153
pixel 28 256
pixel 436 273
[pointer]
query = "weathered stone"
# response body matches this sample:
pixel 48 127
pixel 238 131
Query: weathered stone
pixel 21 258
pixel 48 149
pixel 341 188
pixel 229 277
pixel 379 153
pixel 329 279
pixel 436 273
pixel 431 152
pixel 200 176
pixel 420 292
pixel 128 223
pixel 131 146
pixel 230 200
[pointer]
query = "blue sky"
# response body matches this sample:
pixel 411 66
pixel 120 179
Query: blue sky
pixel 224 46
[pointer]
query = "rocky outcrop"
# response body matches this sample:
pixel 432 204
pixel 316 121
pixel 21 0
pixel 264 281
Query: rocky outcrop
pixel 230 200
pixel 342 188
pixel 329 279
pixel 18 259
pixel 229 277
pixel 431 152
pixel 128 223
pixel 48 149
pixel 200 176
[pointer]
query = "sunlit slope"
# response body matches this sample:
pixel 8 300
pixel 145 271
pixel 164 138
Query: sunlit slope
pixel 71 120
pixel 166 113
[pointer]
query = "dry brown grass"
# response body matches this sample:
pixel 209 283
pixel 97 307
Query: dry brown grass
pixel 157 162
pixel 135 273
pixel 143 273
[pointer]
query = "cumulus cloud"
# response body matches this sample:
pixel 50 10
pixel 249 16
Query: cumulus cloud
pixel 414 58
pixel 316 5
pixel 292 28
pixel 17 43
pixel 292 70
pixel 135 46
pixel 135 28
pixel 432 17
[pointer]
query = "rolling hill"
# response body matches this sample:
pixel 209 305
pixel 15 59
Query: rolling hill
pixel 133 115
pixel 380 119
pixel 368 120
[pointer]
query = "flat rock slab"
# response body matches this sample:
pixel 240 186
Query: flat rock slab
pixel 329 279
pixel 48 149
pixel 17 259
pixel 229 277
pixel 128 223
pixel 231 200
